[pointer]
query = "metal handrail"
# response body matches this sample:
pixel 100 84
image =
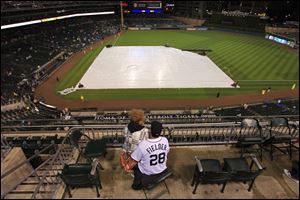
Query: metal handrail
pixel 72 122
pixel 214 133
pixel 23 179
pixel 58 155
pixel 26 161
pixel 28 175
pixel 5 147
pixel 4 141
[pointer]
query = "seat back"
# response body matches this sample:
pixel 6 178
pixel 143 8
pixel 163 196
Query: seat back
pixel 250 134
pixel 76 169
pixel 95 148
pixel 209 171
pixel 75 137
pixel 279 121
pixel 280 126
pixel 250 123
pixel 78 175
pixel 280 131
pixel 240 170
pixel 250 128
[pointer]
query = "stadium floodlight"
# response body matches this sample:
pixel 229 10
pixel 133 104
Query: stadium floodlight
pixel 86 14
pixel 20 24
pixel 54 18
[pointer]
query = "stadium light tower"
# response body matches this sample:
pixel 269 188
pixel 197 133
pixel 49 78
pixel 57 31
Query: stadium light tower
pixel 122 18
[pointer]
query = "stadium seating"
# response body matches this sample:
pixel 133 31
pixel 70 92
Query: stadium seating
pixel 27 48
pixel 94 148
pixel 151 21
pixel 157 180
pixel 209 171
pixel 241 171
pixel 279 137
pixel 267 108
pixel 243 23
pixel 250 135
pixel 81 175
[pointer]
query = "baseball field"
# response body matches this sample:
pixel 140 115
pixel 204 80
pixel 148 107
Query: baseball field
pixel 252 61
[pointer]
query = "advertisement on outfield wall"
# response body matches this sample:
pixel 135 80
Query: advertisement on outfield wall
pixel 197 29
pixel 133 28
pixel 280 40
pixel 145 28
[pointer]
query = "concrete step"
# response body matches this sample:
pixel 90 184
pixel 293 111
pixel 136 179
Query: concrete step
pixel 27 196
pixel 54 167
pixel 50 174
pixel 18 196
pixel 34 180
pixel 31 188
pixel 31 180
pixel 24 189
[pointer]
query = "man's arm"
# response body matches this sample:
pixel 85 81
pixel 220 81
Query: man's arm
pixel 127 162
pixel 134 158
pixel 130 163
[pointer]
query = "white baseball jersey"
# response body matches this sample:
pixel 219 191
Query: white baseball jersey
pixel 151 155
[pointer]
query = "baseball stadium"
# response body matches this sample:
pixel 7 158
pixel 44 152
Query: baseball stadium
pixel 220 78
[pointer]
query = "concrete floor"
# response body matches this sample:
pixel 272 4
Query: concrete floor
pixel 271 184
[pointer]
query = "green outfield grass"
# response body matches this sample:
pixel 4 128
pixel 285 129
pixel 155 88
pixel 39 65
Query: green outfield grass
pixel 254 62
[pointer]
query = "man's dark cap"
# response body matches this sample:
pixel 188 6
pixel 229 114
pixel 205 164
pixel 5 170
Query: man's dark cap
pixel 156 128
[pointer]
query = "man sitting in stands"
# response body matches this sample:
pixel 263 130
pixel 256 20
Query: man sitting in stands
pixel 150 157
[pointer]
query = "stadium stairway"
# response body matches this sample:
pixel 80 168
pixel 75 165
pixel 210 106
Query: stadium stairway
pixel 42 182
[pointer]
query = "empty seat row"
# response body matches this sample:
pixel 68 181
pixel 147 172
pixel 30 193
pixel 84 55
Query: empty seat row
pixel 210 171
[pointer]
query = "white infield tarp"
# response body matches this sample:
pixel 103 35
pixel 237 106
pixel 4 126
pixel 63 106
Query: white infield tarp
pixel 152 67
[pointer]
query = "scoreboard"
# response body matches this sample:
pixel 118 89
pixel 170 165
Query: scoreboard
pixel 143 7
pixel 147 5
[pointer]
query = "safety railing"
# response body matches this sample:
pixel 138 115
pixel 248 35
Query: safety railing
pixel 180 134
pixel 177 134
pixel 45 173
pixel 27 162
pixel 5 147
pixel 61 125
pixel 49 182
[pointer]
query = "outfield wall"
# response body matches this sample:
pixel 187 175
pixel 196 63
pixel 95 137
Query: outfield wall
pixel 281 30
pixel 190 21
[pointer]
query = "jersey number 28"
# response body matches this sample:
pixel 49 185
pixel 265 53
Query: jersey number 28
pixel 160 158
